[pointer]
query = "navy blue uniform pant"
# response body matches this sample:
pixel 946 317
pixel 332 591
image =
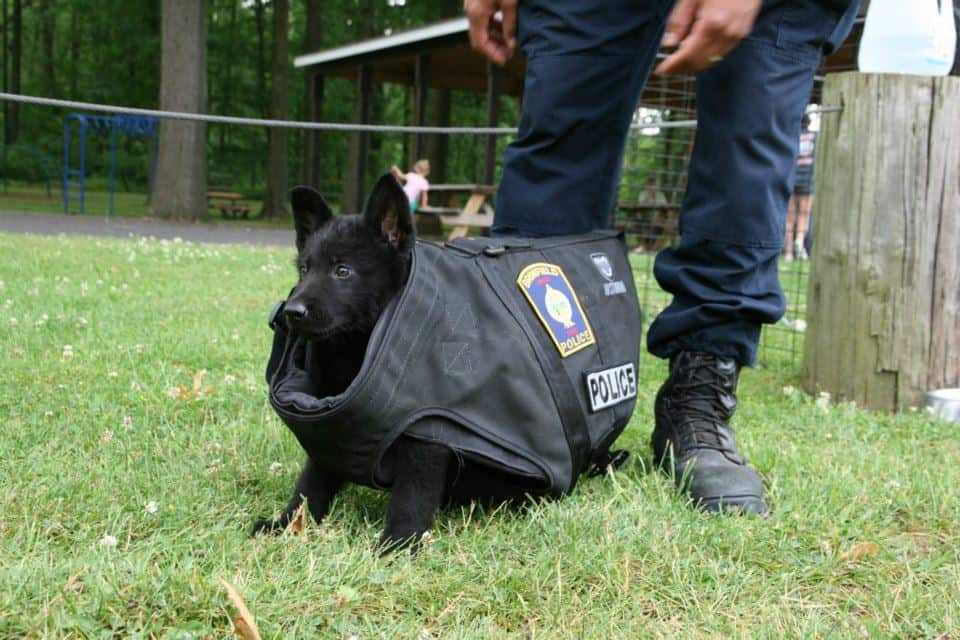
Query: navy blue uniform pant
pixel 587 64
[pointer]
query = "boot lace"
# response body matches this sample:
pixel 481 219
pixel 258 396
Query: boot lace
pixel 704 405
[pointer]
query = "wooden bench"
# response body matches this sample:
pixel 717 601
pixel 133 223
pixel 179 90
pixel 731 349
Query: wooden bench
pixel 228 203
pixel 475 213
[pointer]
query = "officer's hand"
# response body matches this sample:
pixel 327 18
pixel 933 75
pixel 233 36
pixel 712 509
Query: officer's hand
pixel 704 31
pixel 493 36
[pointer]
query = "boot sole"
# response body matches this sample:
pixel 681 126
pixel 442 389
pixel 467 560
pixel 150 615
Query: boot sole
pixel 742 505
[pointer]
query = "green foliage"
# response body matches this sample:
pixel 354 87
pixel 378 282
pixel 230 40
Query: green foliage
pixel 133 462
pixel 108 51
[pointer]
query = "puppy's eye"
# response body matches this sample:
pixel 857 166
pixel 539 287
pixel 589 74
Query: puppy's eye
pixel 342 271
pixel 302 269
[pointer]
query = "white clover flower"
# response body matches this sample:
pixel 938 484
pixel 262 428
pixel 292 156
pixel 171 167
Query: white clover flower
pixel 67 351
pixel 276 467
pixel 108 541
pixel 789 390
pixel 48 414
pixel 113 374
pixel 107 436
pixel 127 422
pixel 151 507
pixel 229 379
pixel 138 348
pixel 13 321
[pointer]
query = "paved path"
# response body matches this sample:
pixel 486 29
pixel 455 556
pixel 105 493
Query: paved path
pixel 92 225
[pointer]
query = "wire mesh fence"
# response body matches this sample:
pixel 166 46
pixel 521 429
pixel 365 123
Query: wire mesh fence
pixel 653 181
pixel 651 192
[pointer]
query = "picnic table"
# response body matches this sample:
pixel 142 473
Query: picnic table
pixel 655 225
pixel 228 203
pixel 474 212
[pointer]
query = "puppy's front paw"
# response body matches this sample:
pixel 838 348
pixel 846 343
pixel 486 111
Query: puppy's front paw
pixel 393 541
pixel 267 526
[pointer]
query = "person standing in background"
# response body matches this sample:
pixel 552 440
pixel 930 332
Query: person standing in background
pixel 801 202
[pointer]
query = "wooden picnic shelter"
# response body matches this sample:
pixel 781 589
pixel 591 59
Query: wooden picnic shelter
pixel 438 56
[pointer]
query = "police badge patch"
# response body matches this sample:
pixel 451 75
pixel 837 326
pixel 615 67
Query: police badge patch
pixel 605 267
pixel 553 300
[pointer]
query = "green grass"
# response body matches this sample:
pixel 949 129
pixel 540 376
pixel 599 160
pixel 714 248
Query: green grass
pixel 122 504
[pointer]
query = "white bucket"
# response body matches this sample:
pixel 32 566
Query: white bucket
pixel 945 403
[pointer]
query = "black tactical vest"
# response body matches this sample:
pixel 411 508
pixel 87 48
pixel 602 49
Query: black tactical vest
pixel 527 347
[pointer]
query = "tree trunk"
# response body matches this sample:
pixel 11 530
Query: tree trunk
pixel 261 58
pixel 74 51
pixel 883 301
pixel 3 64
pixel 12 121
pixel 180 190
pixel 313 96
pixel 226 92
pixel 275 200
pixel 48 27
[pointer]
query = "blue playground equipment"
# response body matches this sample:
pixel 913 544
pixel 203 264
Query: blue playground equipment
pixel 139 126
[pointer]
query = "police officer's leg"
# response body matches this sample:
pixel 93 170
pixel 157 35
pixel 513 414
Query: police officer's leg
pixel 723 273
pixel 587 63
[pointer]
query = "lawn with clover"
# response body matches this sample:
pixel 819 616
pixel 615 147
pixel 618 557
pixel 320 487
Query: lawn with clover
pixel 137 447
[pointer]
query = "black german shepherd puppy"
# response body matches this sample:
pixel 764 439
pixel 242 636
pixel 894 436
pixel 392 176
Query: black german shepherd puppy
pixel 350 268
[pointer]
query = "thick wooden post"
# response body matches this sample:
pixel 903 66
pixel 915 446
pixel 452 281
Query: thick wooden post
pixel 354 189
pixel 883 308
pixel 311 139
pixel 421 87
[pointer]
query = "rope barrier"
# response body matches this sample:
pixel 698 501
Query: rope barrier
pixel 317 126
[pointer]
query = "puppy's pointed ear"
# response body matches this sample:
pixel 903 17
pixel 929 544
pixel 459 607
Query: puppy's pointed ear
pixel 388 212
pixel 310 212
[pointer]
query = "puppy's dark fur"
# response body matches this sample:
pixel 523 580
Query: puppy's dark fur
pixel 350 268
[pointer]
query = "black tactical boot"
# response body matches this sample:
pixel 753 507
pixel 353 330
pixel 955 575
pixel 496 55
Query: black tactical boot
pixel 692 410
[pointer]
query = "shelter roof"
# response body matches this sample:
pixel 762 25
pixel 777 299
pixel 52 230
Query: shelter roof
pixel 454 65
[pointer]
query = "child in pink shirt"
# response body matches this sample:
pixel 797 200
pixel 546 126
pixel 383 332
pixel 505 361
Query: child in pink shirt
pixel 415 183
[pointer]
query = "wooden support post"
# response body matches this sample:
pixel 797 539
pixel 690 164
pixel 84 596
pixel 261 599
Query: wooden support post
pixel 883 302
pixel 493 115
pixel 311 144
pixel 421 86
pixel 354 190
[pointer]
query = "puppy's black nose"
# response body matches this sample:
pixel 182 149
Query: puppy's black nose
pixel 295 310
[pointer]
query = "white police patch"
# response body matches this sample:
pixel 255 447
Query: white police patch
pixel 602 263
pixel 605 267
pixel 609 387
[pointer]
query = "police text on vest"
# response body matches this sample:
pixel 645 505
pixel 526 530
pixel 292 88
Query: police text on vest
pixel 611 386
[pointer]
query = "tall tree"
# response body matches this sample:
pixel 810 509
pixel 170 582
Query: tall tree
pixel 11 130
pixel 181 181
pixel 313 95
pixel 275 199
pixel 48 27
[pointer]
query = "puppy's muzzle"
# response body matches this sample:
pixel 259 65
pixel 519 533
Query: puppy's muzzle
pixel 294 312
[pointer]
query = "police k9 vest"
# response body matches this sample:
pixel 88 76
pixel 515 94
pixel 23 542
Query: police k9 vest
pixel 528 348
